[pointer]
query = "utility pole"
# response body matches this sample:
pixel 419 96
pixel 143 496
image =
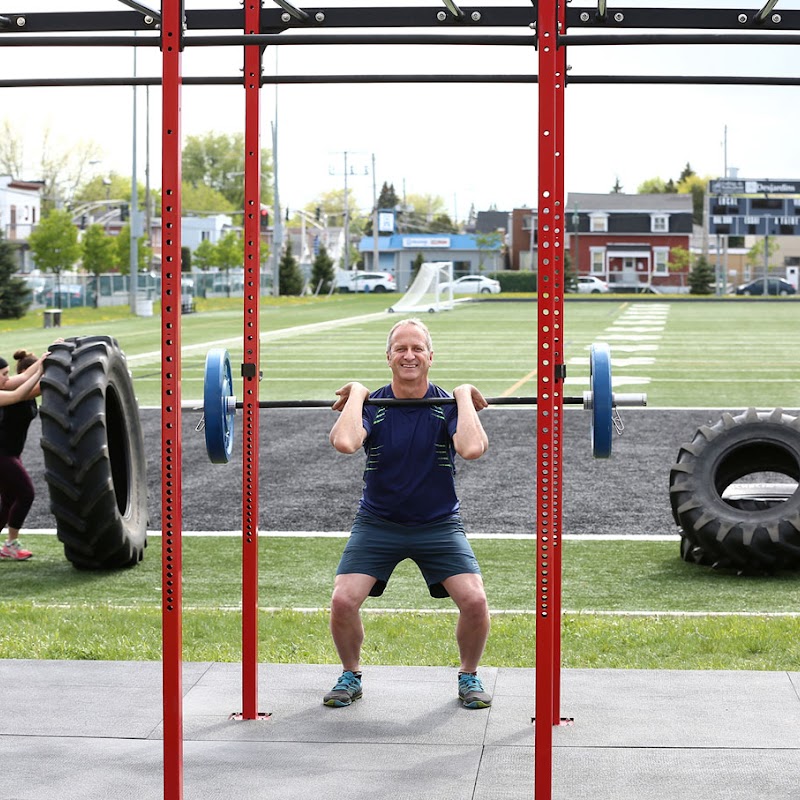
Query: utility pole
pixel 277 225
pixel 375 238
pixel 346 219
pixel 133 272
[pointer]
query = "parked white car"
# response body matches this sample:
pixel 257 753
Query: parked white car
pixel 474 284
pixel 348 281
pixel 589 284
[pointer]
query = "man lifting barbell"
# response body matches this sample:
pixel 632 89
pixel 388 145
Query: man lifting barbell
pixel 409 507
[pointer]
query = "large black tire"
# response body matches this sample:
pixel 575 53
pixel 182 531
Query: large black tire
pixel 94 458
pixel 748 536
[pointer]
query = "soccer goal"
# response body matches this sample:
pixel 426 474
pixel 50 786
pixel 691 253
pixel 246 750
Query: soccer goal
pixel 432 289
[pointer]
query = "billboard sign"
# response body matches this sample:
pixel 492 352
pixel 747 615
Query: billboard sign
pixel 728 186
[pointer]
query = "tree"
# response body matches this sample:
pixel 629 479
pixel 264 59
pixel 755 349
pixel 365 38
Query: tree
pixel 14 293
pixel 388 196
pixel 387 199
pixel 217 161
pixel 696 186
pixel 123 244
pixel 331 206
pixel 486 242
pixel 61 171
pixel 420 212
pixel 204 255
pixel 416 265
pixel 229 254
pixel 322 271
pixel 99 253
pixel 101 189
pixel 701 277
pixel 54 243
pixel 652 186
pixel 202 200
pixel 290 277
pixel 756 255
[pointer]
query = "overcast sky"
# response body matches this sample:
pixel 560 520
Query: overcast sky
pixel 469 143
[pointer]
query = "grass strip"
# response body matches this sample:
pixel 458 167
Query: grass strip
pixel 406 638
pixel 51 610
pixel 618 575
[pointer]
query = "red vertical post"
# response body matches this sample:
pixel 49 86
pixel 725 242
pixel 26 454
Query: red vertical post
pixel 560 217
pixel 251 362
pixel 549 403
pixel 171 448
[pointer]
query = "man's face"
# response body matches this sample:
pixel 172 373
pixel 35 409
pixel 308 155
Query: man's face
pixel 408 356
pixel 3 377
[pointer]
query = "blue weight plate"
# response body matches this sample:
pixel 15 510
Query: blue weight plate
pixel 219 420
pixel 602 399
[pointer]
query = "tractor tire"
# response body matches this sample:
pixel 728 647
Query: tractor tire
pixel 753 537
pixel 94 457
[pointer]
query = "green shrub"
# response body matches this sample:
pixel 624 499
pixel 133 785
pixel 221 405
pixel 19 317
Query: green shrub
pixel 512 280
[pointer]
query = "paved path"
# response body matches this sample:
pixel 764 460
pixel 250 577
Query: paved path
pixel 93 731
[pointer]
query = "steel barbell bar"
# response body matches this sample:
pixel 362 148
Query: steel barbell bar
pixel 220 404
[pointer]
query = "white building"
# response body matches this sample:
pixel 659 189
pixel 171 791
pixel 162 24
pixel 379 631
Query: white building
pixel 200 229
pixel 20 207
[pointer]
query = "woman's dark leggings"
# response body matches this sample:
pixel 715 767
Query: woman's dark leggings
pixel 16 492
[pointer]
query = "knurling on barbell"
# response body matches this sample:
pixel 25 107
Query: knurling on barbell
pixel 220 405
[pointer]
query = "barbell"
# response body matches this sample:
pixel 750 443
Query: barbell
pixel 220 404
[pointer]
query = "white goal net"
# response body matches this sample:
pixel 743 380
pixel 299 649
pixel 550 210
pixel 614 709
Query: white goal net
pixel 432 289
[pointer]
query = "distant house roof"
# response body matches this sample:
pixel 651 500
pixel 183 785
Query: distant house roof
pixel 653 203
pixel 490 221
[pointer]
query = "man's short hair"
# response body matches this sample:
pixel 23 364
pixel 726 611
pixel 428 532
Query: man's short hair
pixel 417 323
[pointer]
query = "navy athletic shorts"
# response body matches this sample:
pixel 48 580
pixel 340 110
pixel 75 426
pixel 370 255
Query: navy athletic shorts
pixel 376 546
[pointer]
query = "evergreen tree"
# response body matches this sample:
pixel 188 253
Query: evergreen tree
pixel 14 294
pixel 322 270
pixel 290 277
pixel 388 197
pixel 416 265
pixel 701 277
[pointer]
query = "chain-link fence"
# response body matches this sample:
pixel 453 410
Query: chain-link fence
pixel 70 290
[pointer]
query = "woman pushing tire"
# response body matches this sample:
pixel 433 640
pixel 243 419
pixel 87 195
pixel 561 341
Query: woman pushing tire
pixel 94 453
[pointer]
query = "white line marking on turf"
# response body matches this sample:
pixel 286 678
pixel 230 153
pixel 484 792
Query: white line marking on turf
pixel 450 610
pixel 576 537
pixel 154 356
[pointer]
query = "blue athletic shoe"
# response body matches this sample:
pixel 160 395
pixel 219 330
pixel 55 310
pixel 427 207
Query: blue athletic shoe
pixel 470 691
pixel 347 689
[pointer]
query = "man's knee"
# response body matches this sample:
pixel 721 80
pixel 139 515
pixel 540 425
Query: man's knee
pixel 349 593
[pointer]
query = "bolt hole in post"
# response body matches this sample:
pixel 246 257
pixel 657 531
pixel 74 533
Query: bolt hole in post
pixel 220 404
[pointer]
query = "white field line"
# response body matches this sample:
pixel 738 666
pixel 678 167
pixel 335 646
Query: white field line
pixel 575 537
pixel 450 610
pixel 154 356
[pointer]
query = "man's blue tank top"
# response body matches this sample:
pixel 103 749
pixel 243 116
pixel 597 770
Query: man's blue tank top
pixel 410 467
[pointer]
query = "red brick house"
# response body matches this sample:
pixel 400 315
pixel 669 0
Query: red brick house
pixel 626 239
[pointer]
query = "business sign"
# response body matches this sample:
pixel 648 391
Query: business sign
pixel 425 242
pixel 750 186
pixel 755 215
pixel 385 221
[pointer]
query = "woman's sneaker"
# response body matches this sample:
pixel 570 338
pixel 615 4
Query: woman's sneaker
pixel 347 689
pixel 12 550
pixel 470 691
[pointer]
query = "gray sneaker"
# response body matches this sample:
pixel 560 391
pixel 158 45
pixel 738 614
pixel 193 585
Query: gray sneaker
pixel 470 691
pixel 347 689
